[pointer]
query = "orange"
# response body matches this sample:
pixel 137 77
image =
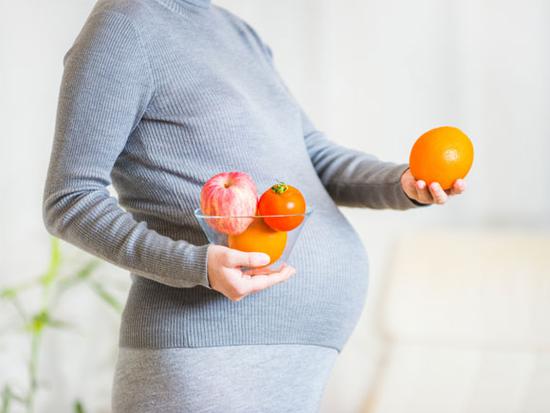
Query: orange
pixel 259 237
pixel 443 155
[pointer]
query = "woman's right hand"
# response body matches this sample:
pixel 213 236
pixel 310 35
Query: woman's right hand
pixel 226 277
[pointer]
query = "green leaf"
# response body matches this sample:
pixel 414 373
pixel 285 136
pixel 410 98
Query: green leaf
pixel 43 319
pixel 8 293
pixel 82 274
pixel 60 324
pixel 38 322
pixel 106 296
pixel 78 407
pixel 19 307
pixel 87 270
pixel 55 262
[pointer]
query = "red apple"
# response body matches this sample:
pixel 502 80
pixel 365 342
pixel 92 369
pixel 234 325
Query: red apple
pixel 229 194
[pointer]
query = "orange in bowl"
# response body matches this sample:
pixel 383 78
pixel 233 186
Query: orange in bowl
pixel 259 237
pixel 256 237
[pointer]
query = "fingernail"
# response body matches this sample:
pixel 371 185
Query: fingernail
pixel 421 184
pixel 265 259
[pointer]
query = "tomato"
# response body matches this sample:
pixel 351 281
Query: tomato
pixel 282 199
pixel 258 237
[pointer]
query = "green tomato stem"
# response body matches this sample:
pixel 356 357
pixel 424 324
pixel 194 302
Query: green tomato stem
pixel 279 188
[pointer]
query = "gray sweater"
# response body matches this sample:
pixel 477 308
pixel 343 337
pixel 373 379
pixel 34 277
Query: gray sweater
pixel 157 96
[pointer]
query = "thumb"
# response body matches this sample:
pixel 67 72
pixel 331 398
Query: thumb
pixel 248 259
pixel 408 184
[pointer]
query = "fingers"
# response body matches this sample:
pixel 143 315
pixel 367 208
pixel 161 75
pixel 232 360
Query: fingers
pixel 260 271
pixel 459 187
pixel 441 196
pixel 249 284
pixel 434 193
pixel 430 194
pixel 260 282
pixel 423 193
pixel 235 258
pixel 438 194
pixel 227 278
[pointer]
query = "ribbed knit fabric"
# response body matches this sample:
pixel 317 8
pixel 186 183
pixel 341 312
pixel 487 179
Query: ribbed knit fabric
pixel 235 379
pixel 157 96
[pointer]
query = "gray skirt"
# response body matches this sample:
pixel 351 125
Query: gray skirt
pixel 246 378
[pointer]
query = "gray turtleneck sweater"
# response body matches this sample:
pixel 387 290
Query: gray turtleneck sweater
pixel 157 96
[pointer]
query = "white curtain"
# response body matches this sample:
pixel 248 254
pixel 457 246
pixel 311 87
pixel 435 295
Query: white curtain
pixel 375 74
pixel 372 74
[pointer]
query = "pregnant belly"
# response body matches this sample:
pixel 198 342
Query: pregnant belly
pixel 320 305
pixel 332 273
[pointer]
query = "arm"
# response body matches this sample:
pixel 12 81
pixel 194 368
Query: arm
pixel 106 86
pixel 354 178
pixel 351 177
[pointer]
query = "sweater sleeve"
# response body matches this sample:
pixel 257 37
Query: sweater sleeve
pixel 105 89
pixel 352 178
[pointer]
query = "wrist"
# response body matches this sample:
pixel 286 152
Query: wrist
pixel 403 186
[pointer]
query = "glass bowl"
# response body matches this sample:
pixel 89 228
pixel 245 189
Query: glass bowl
pixel 256 233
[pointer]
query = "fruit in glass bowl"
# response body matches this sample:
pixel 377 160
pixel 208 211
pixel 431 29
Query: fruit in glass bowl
pixel 260 237
pixel 282 199
pixel 257 236
pixel 229 194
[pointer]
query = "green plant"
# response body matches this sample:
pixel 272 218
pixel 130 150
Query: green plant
pixel 51 287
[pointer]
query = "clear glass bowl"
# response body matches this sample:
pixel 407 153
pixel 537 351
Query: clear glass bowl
pixel 252 234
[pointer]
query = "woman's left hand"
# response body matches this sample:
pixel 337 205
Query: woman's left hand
pixel 432 194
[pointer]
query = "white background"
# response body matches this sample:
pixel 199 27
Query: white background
pixel 372 74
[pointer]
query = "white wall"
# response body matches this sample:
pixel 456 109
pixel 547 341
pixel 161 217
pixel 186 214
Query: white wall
pixel 372 74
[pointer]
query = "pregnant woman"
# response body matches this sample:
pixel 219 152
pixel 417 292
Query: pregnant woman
pixel 158 96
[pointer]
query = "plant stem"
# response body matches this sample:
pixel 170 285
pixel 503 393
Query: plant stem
pixel 36 335
pixel 51 286
pixel 6 399
pixel 33 369
pixel 20 309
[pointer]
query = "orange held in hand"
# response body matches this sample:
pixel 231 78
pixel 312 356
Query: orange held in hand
pixel 443 155
pixel 259 237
